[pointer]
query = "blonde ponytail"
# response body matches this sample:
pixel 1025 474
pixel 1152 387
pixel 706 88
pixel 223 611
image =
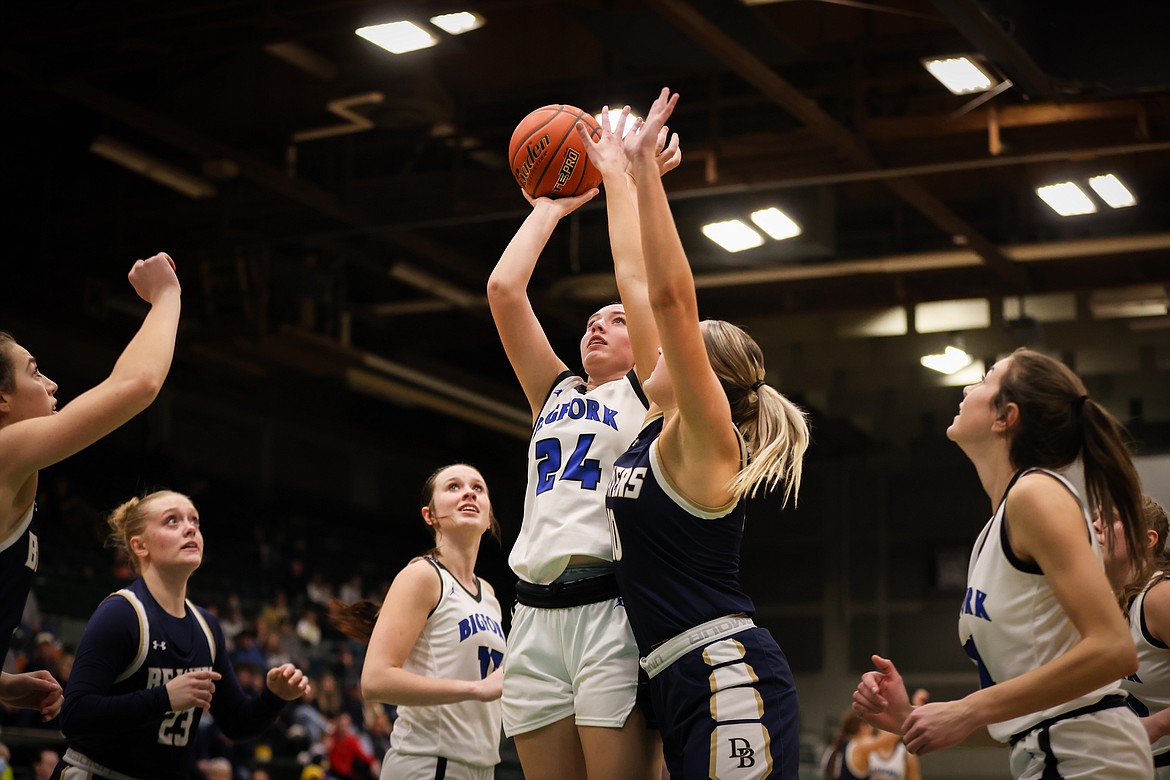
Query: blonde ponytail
pixel 774 429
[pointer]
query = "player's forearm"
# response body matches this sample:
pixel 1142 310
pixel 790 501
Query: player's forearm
pixel 400 687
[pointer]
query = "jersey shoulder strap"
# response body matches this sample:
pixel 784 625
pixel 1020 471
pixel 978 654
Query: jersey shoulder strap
pixel 143 632
pixel 206 628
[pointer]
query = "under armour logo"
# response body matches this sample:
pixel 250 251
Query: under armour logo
pixel 745 754
pixel 619 602
pixel 157 645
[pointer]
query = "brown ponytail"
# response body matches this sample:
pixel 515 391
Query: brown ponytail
pixel 1059 422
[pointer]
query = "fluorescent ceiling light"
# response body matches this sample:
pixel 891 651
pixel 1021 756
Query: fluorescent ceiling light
pixel 884 322
pixel 614 116
pixel 1110 189
pixel 776 223
pixel 398 37
pixel 458 22
pixel 1145 301
pixel 152 168
pixel 972 374
pixel 1050 307
pixel 1066 199
pixel 733 235
pixel 961 75
pixel 951 360
pixel 942 316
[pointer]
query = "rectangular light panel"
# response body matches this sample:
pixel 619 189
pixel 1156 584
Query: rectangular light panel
pixel 398 37
pixel 733 235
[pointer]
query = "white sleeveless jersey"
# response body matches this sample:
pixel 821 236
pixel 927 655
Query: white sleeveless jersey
pixel 1150 686
pixel 890 768
pixel 461 640
pixel 574 444
pixel 1010 621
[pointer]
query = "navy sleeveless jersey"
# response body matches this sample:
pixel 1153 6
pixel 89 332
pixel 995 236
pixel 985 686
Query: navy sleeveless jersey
pixel 677 563
pixel 19 556
pixel 117 712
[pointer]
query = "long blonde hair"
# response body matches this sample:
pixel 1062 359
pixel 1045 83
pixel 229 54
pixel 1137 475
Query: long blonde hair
pixel 774 429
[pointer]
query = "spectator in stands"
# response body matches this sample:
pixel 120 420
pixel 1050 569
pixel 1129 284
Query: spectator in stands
pixel 45 763
pixel 349 759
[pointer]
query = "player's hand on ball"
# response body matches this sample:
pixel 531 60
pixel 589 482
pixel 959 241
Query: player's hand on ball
pixel 193 689
pixel 288 682
pixel 561 207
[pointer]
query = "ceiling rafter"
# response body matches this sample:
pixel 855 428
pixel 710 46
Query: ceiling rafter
pixel 757 73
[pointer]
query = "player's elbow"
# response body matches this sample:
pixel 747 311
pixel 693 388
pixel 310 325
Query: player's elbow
pixel 142 388
pixel 1123 657
pixel 666 298
pixel 372 687
pixel 501 290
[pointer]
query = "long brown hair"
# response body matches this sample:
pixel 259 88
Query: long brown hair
pixel 357 620
pixel 7 371
pixel 1058 423
pixel 774 429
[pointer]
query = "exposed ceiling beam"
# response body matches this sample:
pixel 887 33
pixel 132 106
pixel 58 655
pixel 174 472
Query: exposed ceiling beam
pixel 259 172
pixel 986 35
pixel 756 72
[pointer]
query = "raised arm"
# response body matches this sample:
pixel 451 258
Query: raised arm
pixel 704 430
pixel 411 598
pixel 31 444
pixel 625 238
pixel 524 340
pixel 1046 526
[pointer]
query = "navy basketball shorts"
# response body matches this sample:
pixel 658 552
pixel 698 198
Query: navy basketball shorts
pixel 728 710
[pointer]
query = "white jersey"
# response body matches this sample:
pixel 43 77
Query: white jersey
pixel 574 444
pixel 1011 622
pixel 1150 686
pixel 891 768
pixel 462 640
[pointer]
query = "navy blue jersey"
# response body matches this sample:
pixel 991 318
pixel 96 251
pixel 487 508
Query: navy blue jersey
pixel 19 556
pixel 677 563
pixel 117 712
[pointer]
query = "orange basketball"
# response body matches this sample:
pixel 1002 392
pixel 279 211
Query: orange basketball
pixel 547 156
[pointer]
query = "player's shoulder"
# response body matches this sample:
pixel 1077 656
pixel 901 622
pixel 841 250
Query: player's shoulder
pixel 421 575
pixel 1039 489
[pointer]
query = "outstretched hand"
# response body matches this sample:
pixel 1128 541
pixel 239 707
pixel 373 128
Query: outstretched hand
pixel 288 682
pixel 669 155
pixel 643 145
pixel 154 276
pixel 881 699
pixel 606 153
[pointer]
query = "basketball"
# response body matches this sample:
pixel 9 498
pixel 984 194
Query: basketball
pixel 547 156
